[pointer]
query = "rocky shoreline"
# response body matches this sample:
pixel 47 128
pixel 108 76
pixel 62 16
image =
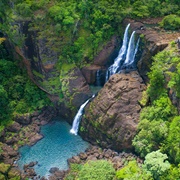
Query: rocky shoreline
pixel 26 131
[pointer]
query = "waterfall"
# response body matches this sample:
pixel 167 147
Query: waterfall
pixel 130 51
pixel 77 119
pixel 98 77
pixel 118 61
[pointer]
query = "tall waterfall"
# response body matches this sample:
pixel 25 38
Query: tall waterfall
pixel 77 119
pixel 118 61
pixel 135 51
pixel 130 51
pixel 126 56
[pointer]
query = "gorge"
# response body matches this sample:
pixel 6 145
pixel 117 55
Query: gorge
pixel 108 68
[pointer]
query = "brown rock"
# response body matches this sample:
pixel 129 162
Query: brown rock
pixel 113 115
pixel 106 53
pixel 35 138
pixel 15 127
pixel 89 72
pixel 91 158
pixel 23 119
pixel 83 156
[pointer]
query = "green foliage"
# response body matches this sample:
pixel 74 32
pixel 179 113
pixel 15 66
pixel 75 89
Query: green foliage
pixel 172 173
pixel 175 78
pixel 153 8
pixel 156 163
pixel 171 22
pixel 97 170
pixel 172 145
pixel 150 136
pixel 17 93
pixel 74 170
pixel 133 172
pixel 161 109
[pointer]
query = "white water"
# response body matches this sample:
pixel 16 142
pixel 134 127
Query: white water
pixel 98 78
pixel 135 51
pixel 126 56
pixel 117 62
pixel 77 119
pixel 130 51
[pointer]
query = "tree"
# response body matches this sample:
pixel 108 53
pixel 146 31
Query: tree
pixel 173 140
pixel 133 172
pixel 156 163
pixel 150 136
pixel 97 170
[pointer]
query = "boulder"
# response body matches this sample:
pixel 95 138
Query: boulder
pixel 15 127
pixel 23 119
pixel 53 169
pixel 113 115
pixel 33 139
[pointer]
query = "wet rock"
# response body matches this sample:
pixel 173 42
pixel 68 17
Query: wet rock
pixel 53 169
pixel 35 138
pixel 31 172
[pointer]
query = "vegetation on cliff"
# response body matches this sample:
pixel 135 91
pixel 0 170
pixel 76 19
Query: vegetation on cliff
pixel 75 32
pixel 17 93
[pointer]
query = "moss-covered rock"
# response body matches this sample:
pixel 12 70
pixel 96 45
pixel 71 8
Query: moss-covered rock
pixel 4 168
pixel 14 174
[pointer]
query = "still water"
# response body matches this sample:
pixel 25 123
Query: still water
pixel 54 149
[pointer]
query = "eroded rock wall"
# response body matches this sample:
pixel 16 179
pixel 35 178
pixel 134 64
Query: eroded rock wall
pixel 111 119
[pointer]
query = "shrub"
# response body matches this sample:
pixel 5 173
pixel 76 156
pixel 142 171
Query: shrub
pixel 173 140
pixel 171 22
pixel 97 170
pixel 156 163
pixel 133 172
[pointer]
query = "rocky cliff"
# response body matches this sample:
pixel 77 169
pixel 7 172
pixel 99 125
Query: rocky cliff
pixel 111 118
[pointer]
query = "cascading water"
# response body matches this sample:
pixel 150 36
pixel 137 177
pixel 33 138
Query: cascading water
pixel 130 51
pixel 77 119
pixel 119 60
pixel 135 51
pixel 126 57
pixel 98 78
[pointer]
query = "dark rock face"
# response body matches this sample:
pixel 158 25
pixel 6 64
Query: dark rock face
pixel 107 52
pixel 75 91
pixel 89 73
pixel 111 118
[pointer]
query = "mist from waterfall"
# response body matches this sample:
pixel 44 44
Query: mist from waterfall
pixel 78 117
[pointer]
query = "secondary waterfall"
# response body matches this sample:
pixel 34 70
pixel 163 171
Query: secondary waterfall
pixel 126 56
pixel 120 58
pixel 77 119
pixel 98 78
pixel 130 52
